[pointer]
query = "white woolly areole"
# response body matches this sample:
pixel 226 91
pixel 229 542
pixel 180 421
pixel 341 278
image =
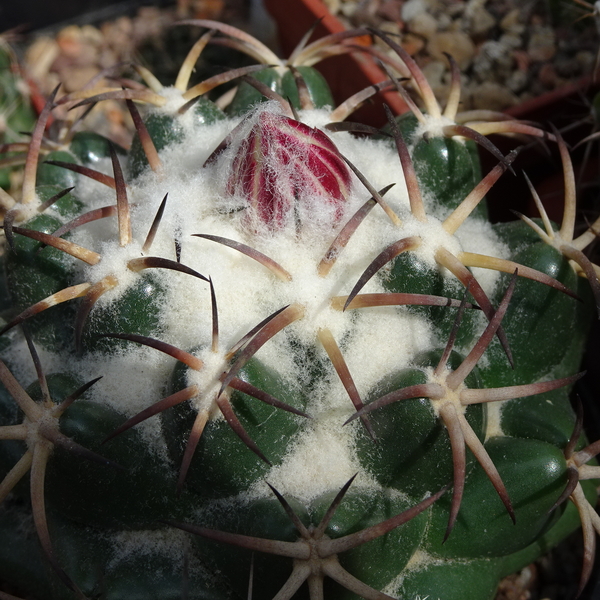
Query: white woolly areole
pixel 207 379
pixel 433 126
pixel 174 98
pixel 115 259
pixel 26 211
pixel 170 543
pixel 477 236
pixel 322 460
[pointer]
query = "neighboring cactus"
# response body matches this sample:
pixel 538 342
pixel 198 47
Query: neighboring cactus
pixel 16 113
pixel 297 368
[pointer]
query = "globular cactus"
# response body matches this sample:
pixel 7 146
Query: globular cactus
pixel 266 354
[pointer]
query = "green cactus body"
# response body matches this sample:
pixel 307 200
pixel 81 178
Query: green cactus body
pixel 447 168
pixel 201 412
pixel 16 113
pixel 165 129
pixel 285 85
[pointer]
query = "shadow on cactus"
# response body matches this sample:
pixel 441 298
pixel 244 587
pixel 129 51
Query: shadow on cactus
pixel 351 317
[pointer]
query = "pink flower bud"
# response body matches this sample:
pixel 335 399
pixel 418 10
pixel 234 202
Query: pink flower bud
pixel 289 172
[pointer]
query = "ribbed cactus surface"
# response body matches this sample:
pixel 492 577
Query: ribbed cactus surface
pixel 263 352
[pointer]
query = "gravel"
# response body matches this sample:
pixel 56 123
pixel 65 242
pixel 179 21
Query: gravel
pixel 508 51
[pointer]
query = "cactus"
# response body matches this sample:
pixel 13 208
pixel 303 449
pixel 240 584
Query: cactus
pixel 16 113
pixel 260 354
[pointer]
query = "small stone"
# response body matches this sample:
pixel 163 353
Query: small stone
pixel 118 35
pixel 434 73
pixel 542 43
pixel 151 21
pixel 91 35
pixel 333 5
pixel 478 21
pixel 423 24
pixel 107 58
pixel 40 56
pixel 455 9
pixel 455 43
pixel 79 44
pixel 348 8
pixel 412 8
pixel 444 21
pixel 364 15
pixel 517 81
pixel 390 10
pixel 512 22
pixel 494 62
pixel 493 96
pixel 68 37
pixel 413 44
pixel 511 40
pixel 482 68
